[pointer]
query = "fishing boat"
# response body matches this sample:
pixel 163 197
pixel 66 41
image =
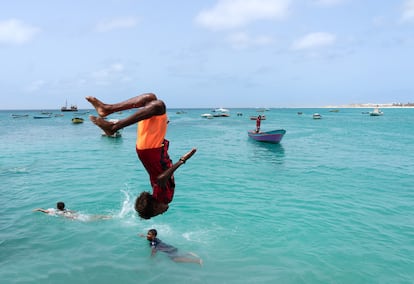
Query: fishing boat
pixel 41 116
pixel 19 115
pixel 207 115
pixel 316 116
pixel 221 112
pixel 376 112
pixel 274 136
pixel 71 108
pixel 77 120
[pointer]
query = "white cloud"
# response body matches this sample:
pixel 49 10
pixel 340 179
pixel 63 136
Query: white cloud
pixel 408 11
pixel 119 23
pixel 243 40
pixel 314 40
pixel 230 14
pixel 110 74
pixel 16 32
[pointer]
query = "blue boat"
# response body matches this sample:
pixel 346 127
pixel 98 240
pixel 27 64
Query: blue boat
pixel 274 136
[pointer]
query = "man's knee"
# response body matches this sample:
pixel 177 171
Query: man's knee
pixel 148 98
pixel 159 107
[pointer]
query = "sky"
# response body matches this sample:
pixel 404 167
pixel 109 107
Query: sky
pixel 206 54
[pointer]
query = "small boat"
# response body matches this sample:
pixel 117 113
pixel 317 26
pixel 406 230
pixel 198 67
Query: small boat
pixel 263 117
pixel 316 116
pixel 71 108
pixel 274 136
pixel 77 120
pixel 221 112
pixel 376 112
pixel 19 115
pixel 82 113
pixel 41 116
pixel 117 133
pixel 300 113
pixel 334 110
pixel 207 115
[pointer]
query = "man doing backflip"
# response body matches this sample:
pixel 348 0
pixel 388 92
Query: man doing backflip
pixel 151 147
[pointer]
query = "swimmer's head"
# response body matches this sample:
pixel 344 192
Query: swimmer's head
pixel 60 205
pixel 152 232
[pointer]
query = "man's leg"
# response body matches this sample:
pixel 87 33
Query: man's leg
pixel 147 110
pixel 106 109
pixel 188 257
pixel 163 178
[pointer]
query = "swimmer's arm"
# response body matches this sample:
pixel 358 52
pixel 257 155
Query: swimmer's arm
pixel 153 251
pixel 41 210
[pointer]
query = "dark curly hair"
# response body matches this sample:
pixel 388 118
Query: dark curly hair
pixel 143 205
pixel 60 205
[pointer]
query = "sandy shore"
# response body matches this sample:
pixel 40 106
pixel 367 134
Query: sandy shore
pixel 369 105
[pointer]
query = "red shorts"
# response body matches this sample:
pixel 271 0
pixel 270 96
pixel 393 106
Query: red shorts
pixel 156 161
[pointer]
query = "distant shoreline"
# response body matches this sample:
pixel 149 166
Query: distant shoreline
pixel 370 106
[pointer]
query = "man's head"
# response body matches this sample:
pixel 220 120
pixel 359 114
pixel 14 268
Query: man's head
pixel 60 205
pixel 148 207
pixel 152 234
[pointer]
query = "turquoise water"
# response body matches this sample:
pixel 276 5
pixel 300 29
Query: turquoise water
pixel 333 203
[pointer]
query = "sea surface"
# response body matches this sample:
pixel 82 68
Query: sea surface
pixel 332 203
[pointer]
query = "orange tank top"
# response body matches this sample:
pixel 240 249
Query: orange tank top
pixel 151 132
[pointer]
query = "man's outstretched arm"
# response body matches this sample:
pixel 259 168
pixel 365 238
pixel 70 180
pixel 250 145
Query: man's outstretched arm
pixel 41 210
pixel 163 178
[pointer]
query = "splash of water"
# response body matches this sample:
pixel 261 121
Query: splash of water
pixel 127 207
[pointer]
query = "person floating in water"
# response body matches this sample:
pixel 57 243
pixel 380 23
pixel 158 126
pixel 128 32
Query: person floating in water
pixel 172 252
pixel 151 147
pixel 60 210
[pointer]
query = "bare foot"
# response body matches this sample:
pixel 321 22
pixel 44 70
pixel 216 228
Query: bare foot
pixel 106 126
pixel 98 105
pixel 188 155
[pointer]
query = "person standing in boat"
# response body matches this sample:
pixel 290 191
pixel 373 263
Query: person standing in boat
pixel 258 122
pixel 151 147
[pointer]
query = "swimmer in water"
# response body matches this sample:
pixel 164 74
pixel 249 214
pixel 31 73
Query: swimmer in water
pixel 172 252
pixel 60 210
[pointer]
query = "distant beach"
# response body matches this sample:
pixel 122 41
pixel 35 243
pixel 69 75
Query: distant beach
pixel 372 105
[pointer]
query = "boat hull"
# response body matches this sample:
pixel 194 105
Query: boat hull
pixel 375 113
pixel 77 120
pixel 274 136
